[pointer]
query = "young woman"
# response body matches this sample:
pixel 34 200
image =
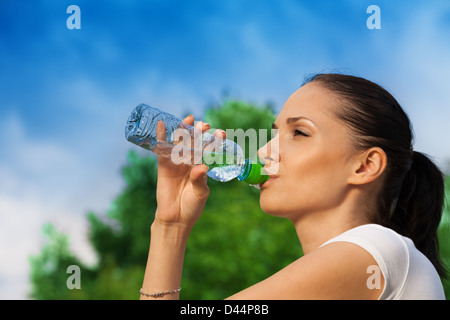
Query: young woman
pixel 365 206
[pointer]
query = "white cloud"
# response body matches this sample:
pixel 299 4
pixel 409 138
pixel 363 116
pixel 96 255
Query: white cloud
pixel 19 237
pixel 39 184
pixel 22 218
pixel 31 156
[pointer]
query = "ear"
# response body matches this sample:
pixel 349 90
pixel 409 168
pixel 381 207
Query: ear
pixel 369 165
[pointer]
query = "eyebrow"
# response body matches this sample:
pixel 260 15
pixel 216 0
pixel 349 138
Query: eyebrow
pixel 292 120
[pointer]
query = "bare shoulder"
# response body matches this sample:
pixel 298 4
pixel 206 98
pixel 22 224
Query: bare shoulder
pixel 339 270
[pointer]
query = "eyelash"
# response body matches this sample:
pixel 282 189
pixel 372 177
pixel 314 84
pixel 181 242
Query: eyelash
pixel 300 133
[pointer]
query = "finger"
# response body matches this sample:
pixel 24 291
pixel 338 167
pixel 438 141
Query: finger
pixel 202 126
pixel 199 180
pixel 161 137
pixel 189 120
pixel 160 131
pixel 221 134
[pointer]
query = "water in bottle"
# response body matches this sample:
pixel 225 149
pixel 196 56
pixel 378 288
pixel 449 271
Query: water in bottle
pixel 186 144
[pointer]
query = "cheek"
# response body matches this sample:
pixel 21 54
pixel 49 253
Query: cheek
pixel 307 183
pixel 317 178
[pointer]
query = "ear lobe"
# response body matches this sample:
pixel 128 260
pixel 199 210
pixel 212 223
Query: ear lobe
pixel 369 166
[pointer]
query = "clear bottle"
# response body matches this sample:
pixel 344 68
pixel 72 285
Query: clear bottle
pixel 185 144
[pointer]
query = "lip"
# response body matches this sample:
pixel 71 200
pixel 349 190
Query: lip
pixel 268 182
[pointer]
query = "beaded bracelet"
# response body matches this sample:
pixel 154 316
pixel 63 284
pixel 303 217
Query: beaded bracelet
pixel 159 294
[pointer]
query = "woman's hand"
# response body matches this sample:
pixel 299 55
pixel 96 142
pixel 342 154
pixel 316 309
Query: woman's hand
pixel 181 194
pixel 182 189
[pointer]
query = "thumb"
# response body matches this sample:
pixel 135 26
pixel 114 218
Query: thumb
pixel 199 180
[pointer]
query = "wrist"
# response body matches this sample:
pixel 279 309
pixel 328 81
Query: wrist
pixel 170 230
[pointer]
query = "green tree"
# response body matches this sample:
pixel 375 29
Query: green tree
pixel 48 269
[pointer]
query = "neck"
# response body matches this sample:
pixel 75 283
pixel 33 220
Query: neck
pixel 316 228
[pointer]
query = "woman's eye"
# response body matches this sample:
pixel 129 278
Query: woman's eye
pixel 299 133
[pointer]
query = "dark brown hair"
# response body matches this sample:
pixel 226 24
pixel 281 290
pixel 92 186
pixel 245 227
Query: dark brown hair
pixel 412 195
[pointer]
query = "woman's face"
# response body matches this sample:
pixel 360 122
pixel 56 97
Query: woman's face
pixel 308 158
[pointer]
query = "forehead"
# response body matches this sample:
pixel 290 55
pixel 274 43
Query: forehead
pixel 311 100
pixel 319 105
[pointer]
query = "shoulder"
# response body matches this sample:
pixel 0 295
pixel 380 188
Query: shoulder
pixel 344 270
pixel 372 255
pixel 390 250
pixel 336 270
pixel 381 242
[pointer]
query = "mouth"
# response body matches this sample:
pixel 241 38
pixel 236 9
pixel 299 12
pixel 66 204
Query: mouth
pixel 268 182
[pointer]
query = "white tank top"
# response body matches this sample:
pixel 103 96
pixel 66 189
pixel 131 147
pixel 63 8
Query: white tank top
pixel 408 274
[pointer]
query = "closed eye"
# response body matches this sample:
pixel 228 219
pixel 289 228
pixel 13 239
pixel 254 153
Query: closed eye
pixel 300 133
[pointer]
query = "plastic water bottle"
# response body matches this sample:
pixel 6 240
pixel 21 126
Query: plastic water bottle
pixel 186 144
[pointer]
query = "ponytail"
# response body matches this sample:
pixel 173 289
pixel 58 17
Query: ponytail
pixel 418 210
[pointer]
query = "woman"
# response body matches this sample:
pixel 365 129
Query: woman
pixel 365 206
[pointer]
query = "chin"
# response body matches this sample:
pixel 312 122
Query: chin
pixel 266 205
pixel 273 208
pixel 282 207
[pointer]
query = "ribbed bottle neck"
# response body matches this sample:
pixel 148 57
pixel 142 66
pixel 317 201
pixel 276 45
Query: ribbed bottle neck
pixel 253 173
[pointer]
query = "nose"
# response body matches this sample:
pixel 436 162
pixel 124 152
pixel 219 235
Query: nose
pixel 263 152
pixel 268 154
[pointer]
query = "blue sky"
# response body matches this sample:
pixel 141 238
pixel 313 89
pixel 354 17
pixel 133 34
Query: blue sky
pixel 65 94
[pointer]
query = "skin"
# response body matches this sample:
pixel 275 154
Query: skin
pixel 318 181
